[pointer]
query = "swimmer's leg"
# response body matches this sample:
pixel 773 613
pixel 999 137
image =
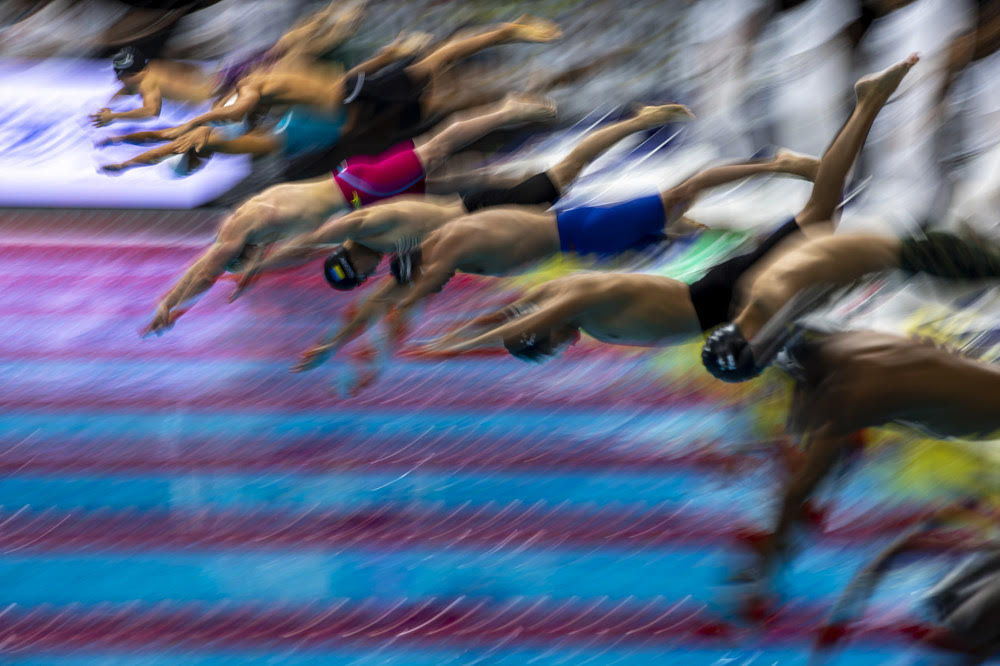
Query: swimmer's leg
pixel 320 32
pixel 434 149
pixel 603 139
pixel 839 260
pixel 678 199
pixel 873 91
pixel 525 29
pixel 799 279
pixel 824 261
pixel 574 74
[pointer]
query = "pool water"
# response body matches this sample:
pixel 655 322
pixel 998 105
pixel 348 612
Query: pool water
pixel 186 499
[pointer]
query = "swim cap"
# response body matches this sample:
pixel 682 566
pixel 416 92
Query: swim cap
pixel 728 356
pixel 405 264
pixel 129 61
pixel 339 271
pixel 535 347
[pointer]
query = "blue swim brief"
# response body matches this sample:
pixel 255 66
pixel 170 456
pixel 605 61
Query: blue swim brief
pixel 608 230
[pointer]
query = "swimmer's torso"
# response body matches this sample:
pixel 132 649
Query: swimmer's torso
pixel 312 86
pixel 499 241
pixel 638 310
pixel 415 221
pixel 181 81
pixel 916 383
pixel 288 210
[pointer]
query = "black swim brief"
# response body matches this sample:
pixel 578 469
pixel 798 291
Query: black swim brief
pixel 535 191
pixel 391 89
pixel 714 294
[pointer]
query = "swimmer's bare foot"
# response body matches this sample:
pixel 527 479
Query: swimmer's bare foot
pixel 788 161
pixel 410 43
pixel 529 28
pixel 523 108
pixel 878 87
pixel 661 115
pixel 113 169
pixel 106 141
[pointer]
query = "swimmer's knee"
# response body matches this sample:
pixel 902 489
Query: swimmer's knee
pixel 677 199
pixel 430 153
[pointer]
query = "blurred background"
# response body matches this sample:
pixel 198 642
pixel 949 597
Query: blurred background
pixel 188 500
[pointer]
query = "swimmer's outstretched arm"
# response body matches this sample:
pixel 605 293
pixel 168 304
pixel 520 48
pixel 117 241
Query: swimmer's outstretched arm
pixel 198 279
pixel 152 102
pixel 145 136
pixel 469 330
pixel 823 451
pixel 303 249
pixel 432 277
pixel 147 158
pixel 377 305
pixel 555 312
pixel 246 101
pixel 197 139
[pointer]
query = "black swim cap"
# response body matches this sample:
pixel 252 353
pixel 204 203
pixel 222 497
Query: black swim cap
pixel 129 61
pixel 404 265
pixel 728 356
pixel 340 273
pixel 536 347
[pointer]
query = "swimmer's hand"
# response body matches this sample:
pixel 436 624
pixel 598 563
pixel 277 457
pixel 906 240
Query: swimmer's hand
pixel 174 132
pixel 162 322
pixel 102 118
pixel 113 169
pixel 248 277
pixel 195 139
pixel 314 357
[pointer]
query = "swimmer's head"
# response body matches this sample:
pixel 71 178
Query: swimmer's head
pixel 350 265
pixel 239 264
pixel 537 347
pixel 127 63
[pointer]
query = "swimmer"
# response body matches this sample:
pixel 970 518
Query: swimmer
pixel 861 379
pixel 292 209
pixel 301 131
pixel 652 310
pixel 155 80
pixel 326 89
pixel 785 290
pixel 964 605
pixel 387 227
pixel 500 241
